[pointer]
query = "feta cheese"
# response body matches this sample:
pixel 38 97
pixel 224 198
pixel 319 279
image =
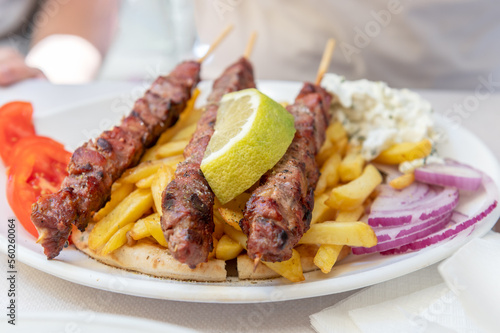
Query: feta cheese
pixel 376 116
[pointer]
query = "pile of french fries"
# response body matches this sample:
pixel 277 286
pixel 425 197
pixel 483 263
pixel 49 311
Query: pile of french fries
pixel 346 186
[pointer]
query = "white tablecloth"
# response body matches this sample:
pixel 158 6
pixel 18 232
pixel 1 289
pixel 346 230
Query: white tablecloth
pixel 38 291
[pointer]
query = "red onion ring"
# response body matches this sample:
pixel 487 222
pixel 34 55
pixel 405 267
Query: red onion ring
pixel 425 214
pixel 455 175
pixel 435 202
pixel 404 238
pixel 459 224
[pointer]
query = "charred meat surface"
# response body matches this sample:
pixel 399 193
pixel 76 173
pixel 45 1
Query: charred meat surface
pixel 95 165
pixel 279 211
pixel 187 217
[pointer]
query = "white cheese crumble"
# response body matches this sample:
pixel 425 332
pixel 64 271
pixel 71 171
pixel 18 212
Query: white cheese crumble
pixel 410 166
pixel 376 116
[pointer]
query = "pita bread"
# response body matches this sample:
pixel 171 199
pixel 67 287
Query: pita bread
pixel 152 259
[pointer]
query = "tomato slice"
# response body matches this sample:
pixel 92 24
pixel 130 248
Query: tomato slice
pixel 15 124
pixel 38 167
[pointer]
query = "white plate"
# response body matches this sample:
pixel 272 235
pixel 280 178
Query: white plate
pixel 87 322
pixel 73 125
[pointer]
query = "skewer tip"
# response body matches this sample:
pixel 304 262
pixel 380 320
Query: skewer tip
pixel 250 44
pixel 256 262
pixel 216 42
pixel 325 60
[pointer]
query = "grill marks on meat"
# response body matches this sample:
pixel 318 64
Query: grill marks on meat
pixel 279 211
pixel 95 165
pixel 187 219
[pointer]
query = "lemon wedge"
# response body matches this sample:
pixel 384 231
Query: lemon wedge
pixel 252 133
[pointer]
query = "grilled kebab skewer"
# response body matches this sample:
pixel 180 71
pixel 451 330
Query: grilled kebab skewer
pixel 98 163
pixel 187 202
pixel 279 211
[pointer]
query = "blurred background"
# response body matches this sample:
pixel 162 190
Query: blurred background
pixel 151 38
pixel 429 44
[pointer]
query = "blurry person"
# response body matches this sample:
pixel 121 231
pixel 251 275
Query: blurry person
pixel 416 44
pixel 64 41
pixel 152 37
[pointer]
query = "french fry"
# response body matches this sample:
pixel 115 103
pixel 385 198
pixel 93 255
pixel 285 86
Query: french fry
pixel 236 235
pixel 327 150
pixel 115 186
pixel 145 170
pixel 229 218
pixel 346 250
pixel 189 116
pixel 320 186
pixel 217 203
pixel 402 181
pixel 153 225
pixel 350 215
pixel 232 212
pixel 290 269
pixel 321 212
pixel 342 146
pixel 139 230
pixel 141 171
pixel 219 227
pixel 145 182
pixel 171 149
pixel 194 116
pixel 162 178
pixel 340 233
pixel 117 240
pixel 336 132
pixel 173 161
pixel 329 173
pixel 150 154
pixel 402 152
pixel 126 212
pixel 184 134
pixel 351 166
pixel 117 196
pixel 326 257
pixel 227 248
pixel 352 195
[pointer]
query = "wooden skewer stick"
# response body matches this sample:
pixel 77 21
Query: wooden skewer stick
pixel 251 42
pixel 256 263
pixel 216 42
pixel 325 60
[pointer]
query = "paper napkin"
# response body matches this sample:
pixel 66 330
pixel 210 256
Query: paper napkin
pixel 423 302
pixel 473 274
